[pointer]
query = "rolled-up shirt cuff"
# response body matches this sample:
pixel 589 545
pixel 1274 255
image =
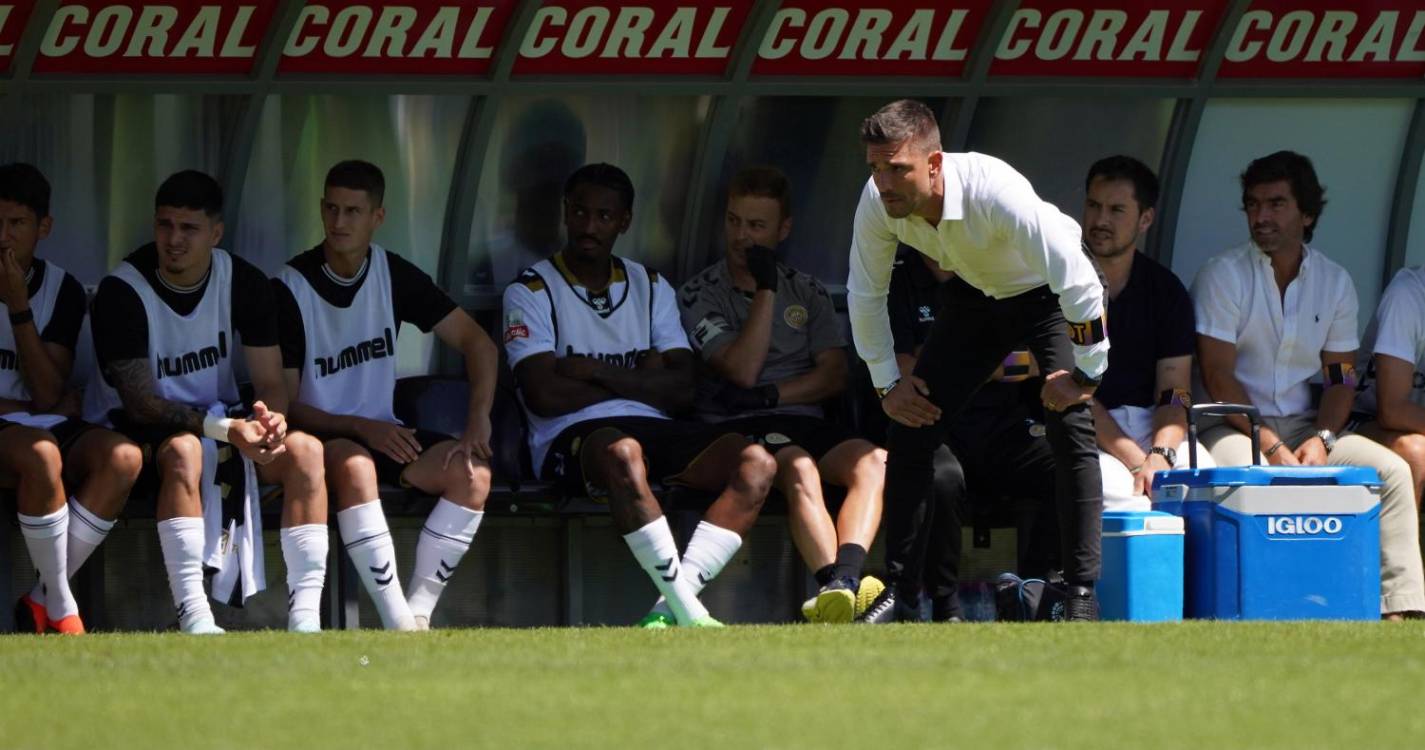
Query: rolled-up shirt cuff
pixel 884 373
pixel 1092 360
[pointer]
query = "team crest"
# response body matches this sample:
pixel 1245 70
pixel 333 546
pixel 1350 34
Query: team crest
pixel 926 314
pixel 795 316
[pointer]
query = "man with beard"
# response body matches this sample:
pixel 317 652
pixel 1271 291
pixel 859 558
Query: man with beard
pixel 1139 410
pixel 1021 277
pixel 1271 315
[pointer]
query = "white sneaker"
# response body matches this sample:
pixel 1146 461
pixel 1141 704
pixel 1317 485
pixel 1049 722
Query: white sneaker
pixel 407 624
pixel 422 622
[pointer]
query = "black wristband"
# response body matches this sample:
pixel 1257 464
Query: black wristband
pixel 21 317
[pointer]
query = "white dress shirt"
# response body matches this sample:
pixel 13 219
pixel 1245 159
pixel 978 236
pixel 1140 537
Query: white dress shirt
pixel 995 233
pixel 1397 331
pixel 1279 341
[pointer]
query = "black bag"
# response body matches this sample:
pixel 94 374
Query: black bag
pixel 1033 600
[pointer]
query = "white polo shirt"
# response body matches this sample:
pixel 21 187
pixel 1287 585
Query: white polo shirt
pixel 1398 330
pixel 995 232
pixel 1279 341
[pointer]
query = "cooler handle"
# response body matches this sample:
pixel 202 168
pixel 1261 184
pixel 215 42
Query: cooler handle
pixel 1219 409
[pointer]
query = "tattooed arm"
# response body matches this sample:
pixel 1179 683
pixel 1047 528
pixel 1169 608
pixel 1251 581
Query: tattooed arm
pixel 134 381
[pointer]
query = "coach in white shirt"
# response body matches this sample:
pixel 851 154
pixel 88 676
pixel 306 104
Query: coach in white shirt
pixel 1021 277
pixel 1271 315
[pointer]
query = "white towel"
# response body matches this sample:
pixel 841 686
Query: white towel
pixel 232 521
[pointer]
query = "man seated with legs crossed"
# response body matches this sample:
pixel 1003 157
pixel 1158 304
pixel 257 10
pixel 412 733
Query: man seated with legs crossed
pixel 41 445
pixel 1270 316
pixel 771 338
pixel 602 361
pixel 1139 410
pixel 341 305
pixel 164 325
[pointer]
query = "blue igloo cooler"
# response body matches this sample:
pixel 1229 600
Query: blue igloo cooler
pixel 1142 578
pixel 1276 543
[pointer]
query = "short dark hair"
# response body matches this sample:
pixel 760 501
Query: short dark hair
pixel 191 189
pixel 763 182
pixel 24 184
pixel 604 176
pixel 902 120
pixel 1112 168
pixel 354 174
pixel 1296 170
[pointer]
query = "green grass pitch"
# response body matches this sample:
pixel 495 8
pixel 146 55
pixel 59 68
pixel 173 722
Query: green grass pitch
pixel 1192 685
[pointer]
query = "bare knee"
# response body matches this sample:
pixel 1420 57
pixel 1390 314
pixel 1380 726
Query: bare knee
pixel 180 459
pixel 466 484
pixel 124 461
pixel 305 463
pixel 795 465
pixel 870 468
pixel 1411 447
pixel 621 460
pixel 756 468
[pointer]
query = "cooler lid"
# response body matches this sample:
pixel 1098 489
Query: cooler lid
pixel 1258 476
pixel 1136 522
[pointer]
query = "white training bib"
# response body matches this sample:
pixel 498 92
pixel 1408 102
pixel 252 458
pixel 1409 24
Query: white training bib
pixel 614 327
pixel 350 364
pixel 191 355
pixel 12 383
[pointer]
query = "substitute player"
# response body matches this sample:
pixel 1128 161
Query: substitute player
pixel 40 443
pixel 1021 276
pixel 341 304
pixel 770 336
pixel 602 361
pixel 165 327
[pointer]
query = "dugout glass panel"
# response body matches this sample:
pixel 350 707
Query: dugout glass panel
pixel 413 139
pixel 104 156
pixel 1355 146
pixel 1054 141
pixel 538 141
pixel 816 142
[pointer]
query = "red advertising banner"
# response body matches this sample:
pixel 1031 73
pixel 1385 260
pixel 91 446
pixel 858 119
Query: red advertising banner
pixel 178 36
pixel 390 37
pixel 13 17
pixel 892 37
pixel 1128 38
pixel 594 37
pixel 1328 39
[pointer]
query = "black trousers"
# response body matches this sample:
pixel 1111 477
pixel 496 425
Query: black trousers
pixel 990 454
pixel 971 335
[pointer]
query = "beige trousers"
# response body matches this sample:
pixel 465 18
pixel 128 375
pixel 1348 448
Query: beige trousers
pixel 1402 581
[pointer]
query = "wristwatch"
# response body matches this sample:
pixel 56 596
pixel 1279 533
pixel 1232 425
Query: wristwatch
pixel 1085 380
pixel 1169 454
pixel 1328 438
pixel 881 392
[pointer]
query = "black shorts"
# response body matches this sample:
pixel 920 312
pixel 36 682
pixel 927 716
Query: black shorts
pixel 669 448
pixel 774 432
pixel 66 433
pixel 389 471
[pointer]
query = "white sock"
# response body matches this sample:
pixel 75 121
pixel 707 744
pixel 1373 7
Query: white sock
pixel 182 542
pixel 304 549
pixel 656 552
pixel 47 538
pixel 368 542
pixel 444 540
pixel 86 532
pixel 707 554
